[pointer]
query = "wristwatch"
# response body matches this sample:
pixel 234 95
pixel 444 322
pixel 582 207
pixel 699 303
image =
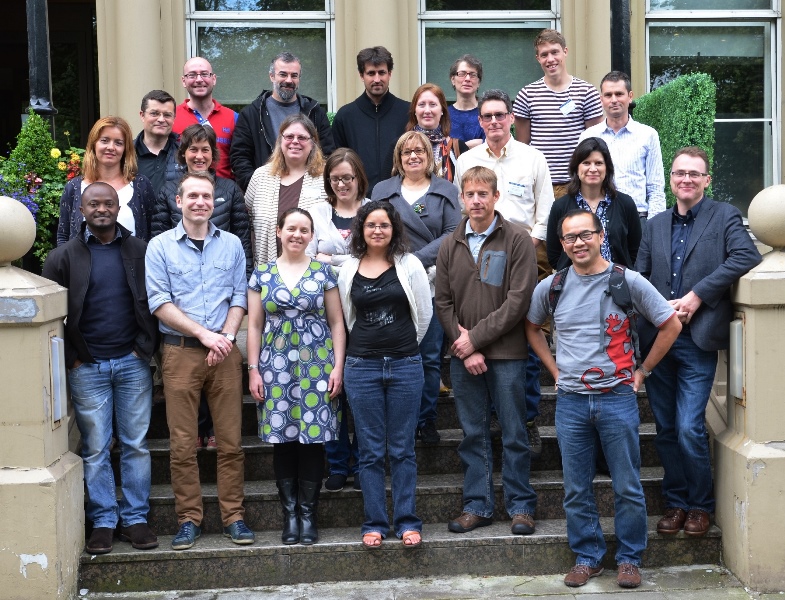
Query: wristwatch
pixel 643 370
pixel 252 367
pixel 228 336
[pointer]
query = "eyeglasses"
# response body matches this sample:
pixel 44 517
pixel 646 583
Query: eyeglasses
pixel 688 174
pixel 374 227
pixel 203 75
pixel 285 75
pixel 290 137
pixel 462 74
pixel 157 113
pixel 586 236
pixel 416 151
pixel 345 179
pixel 488 117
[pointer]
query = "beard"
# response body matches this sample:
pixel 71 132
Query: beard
pixel 286 93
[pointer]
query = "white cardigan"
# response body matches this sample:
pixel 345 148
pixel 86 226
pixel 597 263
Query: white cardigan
pixel 326 237
pixel 414 281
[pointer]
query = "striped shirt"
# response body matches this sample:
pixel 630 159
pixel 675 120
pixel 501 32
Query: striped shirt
pixel 557 120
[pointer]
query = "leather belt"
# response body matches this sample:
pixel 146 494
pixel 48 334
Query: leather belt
pixel 182 341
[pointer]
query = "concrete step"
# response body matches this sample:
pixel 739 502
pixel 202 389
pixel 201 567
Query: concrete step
pixel 214 562
pixel 439 498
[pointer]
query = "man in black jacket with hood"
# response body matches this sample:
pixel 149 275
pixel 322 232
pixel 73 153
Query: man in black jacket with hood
pixel 257 126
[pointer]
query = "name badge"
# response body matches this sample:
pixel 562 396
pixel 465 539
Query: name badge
pixel 516 189
pixel 567 107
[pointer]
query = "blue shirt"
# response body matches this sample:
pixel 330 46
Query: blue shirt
pixel 465 124
pixel 202 284
pixel 476 239
pixel 681 228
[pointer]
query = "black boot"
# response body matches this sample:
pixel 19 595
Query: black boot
pixel 287 492
pixel 308 495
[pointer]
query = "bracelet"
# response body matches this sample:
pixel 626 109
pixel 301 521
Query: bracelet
pixel 252 367
pixel 643 370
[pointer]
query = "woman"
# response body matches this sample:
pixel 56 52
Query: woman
pixel 387 305
pixel 466 76
pixel 109 157
pixel 591 188
pixel 296 331
pixel 345 184
pixel 428 114
pixel 430 210
pixel 291 178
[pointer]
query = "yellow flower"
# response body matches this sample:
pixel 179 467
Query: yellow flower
pixel 62 166
pixel 55 153
pixel 66 133
pixel 75 156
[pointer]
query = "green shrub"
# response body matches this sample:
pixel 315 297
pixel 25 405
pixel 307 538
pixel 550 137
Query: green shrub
pixel 682 111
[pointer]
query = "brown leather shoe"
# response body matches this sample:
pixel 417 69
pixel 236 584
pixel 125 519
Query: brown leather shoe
pixel 697 523
pixel 672 522
pixel 140 536
pixel 580 574
pixel 100 541
pixel 522 524
pixel 467 522
pixel 629 576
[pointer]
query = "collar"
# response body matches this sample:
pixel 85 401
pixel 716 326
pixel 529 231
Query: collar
pixel 692 213
pixel 505 149
pixel 180 232
pixel 89 234
pixel 469 231
pixel 217 106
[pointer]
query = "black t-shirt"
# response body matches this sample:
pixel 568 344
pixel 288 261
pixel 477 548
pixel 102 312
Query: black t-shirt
pixel 384 325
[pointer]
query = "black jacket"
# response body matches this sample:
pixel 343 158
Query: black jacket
pixel 253 139
pixel 371 131
pixel 69 265
pixel 229 214
pixel 156 168
pixel 624 230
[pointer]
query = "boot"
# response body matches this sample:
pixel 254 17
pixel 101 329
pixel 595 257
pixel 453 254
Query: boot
pixel 287 492
pixel 308 496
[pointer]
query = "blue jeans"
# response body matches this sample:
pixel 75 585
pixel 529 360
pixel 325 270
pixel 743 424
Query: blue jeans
pixel 340 452
pixel 502 384
pixel 123 387
pixel 614 416
pixel 385 394
pixel 431 354
pixel 678 390
pixel 533 368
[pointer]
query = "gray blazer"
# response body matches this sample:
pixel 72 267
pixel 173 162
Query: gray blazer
pixel 719 252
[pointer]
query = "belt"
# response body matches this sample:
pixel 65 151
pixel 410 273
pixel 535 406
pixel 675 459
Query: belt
pixel 643 213
pixel 182 341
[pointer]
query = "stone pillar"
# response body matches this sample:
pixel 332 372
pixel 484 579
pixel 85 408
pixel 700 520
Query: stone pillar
pixel 750 453
pixel 41 482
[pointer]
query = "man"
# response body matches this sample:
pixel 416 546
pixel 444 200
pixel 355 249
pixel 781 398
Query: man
pixel 259 122
pixel 200 107
pixel 196 287
pixel 635 147
pixel 692 254
pixel 485 275
pixel 596 394
pixel 551 113
pixel 376 119
pixel 156 145
pixel 110 337
pixel 525 198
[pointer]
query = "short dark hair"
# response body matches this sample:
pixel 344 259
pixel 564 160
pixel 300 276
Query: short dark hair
pixel 398 243
pixel 346 155
pixel 495 94
pixel 582 151
pixel 618 76
pixel 159 96
pixel 197 133
pixel 95 186
pixel 575 212
pixel 286 57
pixel 470 60
pixel 291 211
pixel 206 175
pixel 378 55
pixel 695 151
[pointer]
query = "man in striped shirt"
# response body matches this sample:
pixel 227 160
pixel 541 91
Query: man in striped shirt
pixel 635 147
pixel 551 113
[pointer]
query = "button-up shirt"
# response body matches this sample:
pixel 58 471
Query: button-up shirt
pixel 602 210
pixel 476 239
pixel 203 284
pixel 681 228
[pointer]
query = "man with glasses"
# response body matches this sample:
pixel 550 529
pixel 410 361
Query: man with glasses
pixel 201 108
pixel 692 254
pixel 156 145
pixel 259 122
pixel 596 382
pixel 525 198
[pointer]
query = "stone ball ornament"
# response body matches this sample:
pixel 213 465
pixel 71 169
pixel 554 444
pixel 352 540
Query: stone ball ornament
pixel 17 230
pixel 766 216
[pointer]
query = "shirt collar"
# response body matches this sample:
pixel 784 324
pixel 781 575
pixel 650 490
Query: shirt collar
pixel 180 232
pixel 89 234
pixel 486 233
pixel 503 153
pixel 692 213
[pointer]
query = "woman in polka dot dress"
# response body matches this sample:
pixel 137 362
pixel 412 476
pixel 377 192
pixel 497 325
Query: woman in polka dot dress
pixel 295 328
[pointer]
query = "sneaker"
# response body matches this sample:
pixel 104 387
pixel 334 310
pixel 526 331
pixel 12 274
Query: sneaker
pixel 580 574
pixel 239 533
pixel 522 524
pixel 186 536
pixel 535 442
pixel 335 482
pixel 199 443
pixel 468 522
pixel 629 576
pixel 211 444
pixel 429 435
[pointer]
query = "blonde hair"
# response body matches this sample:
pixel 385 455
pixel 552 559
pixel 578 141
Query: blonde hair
pixel 399 146
pixel 314 164
pixel 127 161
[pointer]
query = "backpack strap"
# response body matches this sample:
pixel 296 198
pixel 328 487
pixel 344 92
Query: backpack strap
pixel 619 290
pixel 554 292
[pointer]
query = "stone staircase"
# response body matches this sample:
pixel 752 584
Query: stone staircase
pixel 215 562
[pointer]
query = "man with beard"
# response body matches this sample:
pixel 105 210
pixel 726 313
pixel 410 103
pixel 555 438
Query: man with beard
pixel 259 122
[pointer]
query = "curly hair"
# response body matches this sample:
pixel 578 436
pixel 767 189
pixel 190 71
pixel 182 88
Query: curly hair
pixel 399 245
pixel 128 164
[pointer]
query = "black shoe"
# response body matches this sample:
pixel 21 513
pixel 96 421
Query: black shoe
pixel 335 482
pixel 429 435
pixel 307 502
pixel 535 442
pixel 287 493
pixel 356 484
pixel 140 535
pixel 100 541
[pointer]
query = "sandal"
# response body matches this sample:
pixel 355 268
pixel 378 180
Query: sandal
pixel 372 540
pixel 411 539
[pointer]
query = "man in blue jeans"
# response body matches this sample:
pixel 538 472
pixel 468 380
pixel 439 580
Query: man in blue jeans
pixel 596 381
pixel 110 337
pixel 485 274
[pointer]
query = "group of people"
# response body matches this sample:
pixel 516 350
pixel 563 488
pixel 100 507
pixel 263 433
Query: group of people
pixel 357 249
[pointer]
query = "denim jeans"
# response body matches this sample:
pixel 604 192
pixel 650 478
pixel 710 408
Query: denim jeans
pixel 122 387
pixel 533 369
pixel 503 384
pixel 341 452
pixel 678 390
pixel 614 416
pixel 385 394
pixel 431 354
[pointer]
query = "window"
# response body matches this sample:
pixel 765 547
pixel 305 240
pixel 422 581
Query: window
pixel 240 38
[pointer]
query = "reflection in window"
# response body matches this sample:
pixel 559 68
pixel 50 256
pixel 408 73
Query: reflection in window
pixel 270 5
pixel 739 159
pixel 706 5
pixel 488 5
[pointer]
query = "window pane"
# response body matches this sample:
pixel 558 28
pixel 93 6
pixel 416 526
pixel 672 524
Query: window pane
pixel 241 57
pixel 488 5
pixel 713 5
pixel 273 5
pixel 740 153
pixel 507 55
